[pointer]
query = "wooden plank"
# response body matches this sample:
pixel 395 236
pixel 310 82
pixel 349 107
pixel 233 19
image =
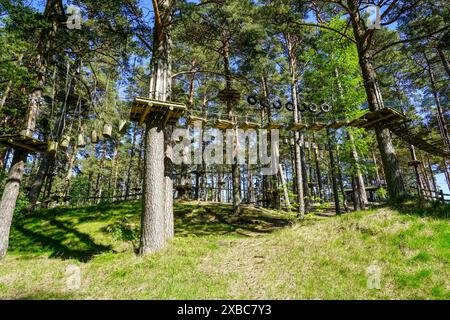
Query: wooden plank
pixel 317 126
pixel 249 125
pixel 298 126
pixel 338 124
pixel 223 124
pixel 273 126
pixel 358 122
pixel 373 122
pixel 25 143
pixel 144 114
pixel 192 119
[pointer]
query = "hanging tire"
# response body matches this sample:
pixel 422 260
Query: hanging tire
pixel 325 107
pixel 302 107
pixel 312 107
pixel 252 100
pixel 289 106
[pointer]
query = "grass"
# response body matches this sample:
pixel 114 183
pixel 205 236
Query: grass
pixel 263 254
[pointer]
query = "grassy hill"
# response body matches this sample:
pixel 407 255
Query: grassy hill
pixel 263 254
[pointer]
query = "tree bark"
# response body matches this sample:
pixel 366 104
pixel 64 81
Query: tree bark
pixel 444 60
pixel 157 211
pixel 153 211
pixel 360 196
pixel 298 138
pixel 53 12
pixel 440 112
pixel 333 172
pixel 235 168
pixel 389 159
pixel 9 198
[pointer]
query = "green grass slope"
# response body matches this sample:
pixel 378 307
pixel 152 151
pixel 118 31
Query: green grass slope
pixel 261 255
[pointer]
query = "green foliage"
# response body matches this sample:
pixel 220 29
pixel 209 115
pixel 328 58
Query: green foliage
pixel 123 230
pixel 79 189
pixel 382 193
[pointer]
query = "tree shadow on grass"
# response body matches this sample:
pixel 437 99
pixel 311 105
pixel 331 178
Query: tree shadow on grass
pixel 58 238
pixel 218 219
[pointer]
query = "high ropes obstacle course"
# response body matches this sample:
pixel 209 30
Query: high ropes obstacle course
pixel 166 112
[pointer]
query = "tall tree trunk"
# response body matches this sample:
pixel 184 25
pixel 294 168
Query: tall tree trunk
pixel 420 187
pixel 153 224
pixel 53 12
pixel 168 183
pixel 440 112
pixel 333 172
pixel 433 179
pixel 235 168
pixel 35 189
pixel 360 196
pixel 341 179
pixel 392 170
pixel 9 197
pixel 298 137
pixel 157 211
pixel 287 202
pixel 444 60
pixel 3 154
pixel 130 163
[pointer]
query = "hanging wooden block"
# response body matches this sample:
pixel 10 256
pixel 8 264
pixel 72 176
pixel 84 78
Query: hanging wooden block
pixel 81 141
pixel 123 126
pixel 94 136
pixel 52 147
pixel 107 130
pixel 65 141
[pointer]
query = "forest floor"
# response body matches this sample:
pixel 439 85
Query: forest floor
pixel 263 254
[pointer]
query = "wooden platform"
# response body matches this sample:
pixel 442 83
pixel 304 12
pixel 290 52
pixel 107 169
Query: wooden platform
pixel 249 125
pixel 298 126
pixel 398 124
pixel 273 126
pixel 383 117
pixel 229 95
pixel 338 124
pixel 156 112
pixel 223 124
pixel 317 126
pixel 25 143
pixel 191 120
